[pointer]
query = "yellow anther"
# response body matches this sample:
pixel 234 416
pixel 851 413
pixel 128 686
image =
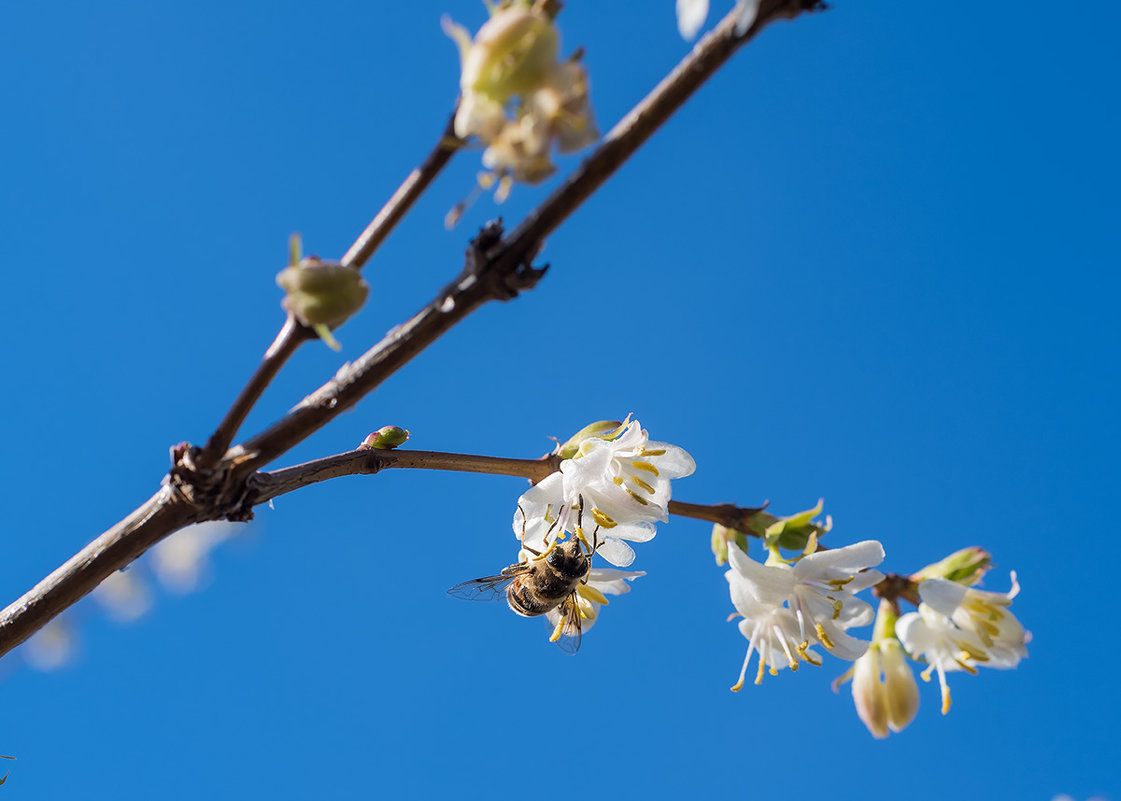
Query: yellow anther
pixel 635 495
pixel 649 468
pixel 810 658
pixel 556 635
pixel 773 671
pixel 638 482
pixel 618 480
pixel 652 452
pixel 602 519
pixel 840 582
pixel 837 607
pixel 592 594
pixel 738 685
pixel 969 652
pixel 821 635
pixel 926 673
pixel 945 698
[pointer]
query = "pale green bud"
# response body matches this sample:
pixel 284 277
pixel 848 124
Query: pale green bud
pixel 966 566
pixel 798 532
pixel 602 429
pixel 321 294
pixel 386 438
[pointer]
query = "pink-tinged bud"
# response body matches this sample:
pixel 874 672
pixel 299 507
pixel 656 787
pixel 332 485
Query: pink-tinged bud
pixel 386 438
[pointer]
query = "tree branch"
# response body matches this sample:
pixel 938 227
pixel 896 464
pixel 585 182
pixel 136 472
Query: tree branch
pixel 158 517
pixel 497 269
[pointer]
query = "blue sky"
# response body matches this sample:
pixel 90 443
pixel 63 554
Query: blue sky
pixel 875 260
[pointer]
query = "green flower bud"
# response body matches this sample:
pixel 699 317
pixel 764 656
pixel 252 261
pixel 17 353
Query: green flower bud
pixel 321 294
pixel 966 566
pixel 602 429
pixel 797 532
pixel 386 438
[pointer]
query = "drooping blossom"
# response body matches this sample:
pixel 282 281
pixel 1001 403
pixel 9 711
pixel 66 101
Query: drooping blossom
pixel 787 610
pixel 961 628
pixel 884 691
pixel 517 98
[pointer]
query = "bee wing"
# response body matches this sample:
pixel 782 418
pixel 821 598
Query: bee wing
pixel 488 588
pixel 571 628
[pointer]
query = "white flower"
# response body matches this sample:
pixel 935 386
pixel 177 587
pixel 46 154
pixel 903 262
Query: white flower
pixel 592 595
pixel 613 489
pixel 787 610
pixel 691 15
pixel 182 561
pixel 959 628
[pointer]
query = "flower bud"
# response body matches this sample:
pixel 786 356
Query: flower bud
pixel 798 532
pixel 321 294
pixel 386 437
pixel 884 690
pixel 721 537
pixel 966 566
pixel 601 429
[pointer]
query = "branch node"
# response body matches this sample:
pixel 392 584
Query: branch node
pixel 213 493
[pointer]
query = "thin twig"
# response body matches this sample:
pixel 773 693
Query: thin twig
pixel 740 518
pixel 293 334
pixel 403 199
pixel 366 461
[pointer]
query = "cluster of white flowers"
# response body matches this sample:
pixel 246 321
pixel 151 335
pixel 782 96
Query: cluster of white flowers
pixel 788 609
pixel 691 15
pixel 612 487
pixel 515 95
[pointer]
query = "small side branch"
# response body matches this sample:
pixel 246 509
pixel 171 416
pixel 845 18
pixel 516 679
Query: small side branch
pixel 293 334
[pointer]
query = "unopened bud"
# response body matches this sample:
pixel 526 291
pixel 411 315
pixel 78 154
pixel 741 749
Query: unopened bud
pixel 966 566
pixel 602 429
pixel 798 532
pixel 721 537
pixel 884 690
pixel 322 294
pixel 386 438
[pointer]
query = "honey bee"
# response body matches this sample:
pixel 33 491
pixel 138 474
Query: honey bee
pixel 538 586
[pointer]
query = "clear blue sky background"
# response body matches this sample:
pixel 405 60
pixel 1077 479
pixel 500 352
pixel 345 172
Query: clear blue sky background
pixel 875 260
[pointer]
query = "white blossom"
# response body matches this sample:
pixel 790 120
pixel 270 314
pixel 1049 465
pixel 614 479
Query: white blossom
pixel 691 15
pixel 788 609
pixel 612 490
pixel 960 628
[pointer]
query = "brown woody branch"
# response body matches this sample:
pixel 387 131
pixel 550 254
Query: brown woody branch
pixel 197 488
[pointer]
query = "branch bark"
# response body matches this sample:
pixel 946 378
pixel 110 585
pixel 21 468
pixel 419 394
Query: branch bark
pixel 199 489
